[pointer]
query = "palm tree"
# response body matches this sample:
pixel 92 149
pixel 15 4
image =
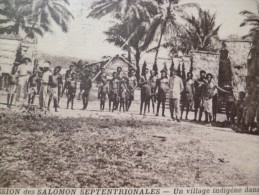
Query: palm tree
pixel 164 23
pixel 118 35
pixel 201 31
pixel 251 19
pixel 123 9
pixel 33 16
pixel 45 11
pixel 13 18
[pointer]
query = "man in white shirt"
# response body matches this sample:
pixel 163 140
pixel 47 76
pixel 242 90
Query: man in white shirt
pixel 43 96
pixel 23 72
pixel 175 89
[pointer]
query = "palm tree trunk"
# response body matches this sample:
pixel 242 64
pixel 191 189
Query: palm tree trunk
pixel 137 58
pixel 160 40
pixel 129 55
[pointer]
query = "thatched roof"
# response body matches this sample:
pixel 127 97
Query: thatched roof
pixel 109 61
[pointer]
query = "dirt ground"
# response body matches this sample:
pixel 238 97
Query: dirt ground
pixel 74 148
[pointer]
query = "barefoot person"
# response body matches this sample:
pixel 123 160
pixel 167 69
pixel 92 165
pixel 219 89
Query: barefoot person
pixel 85 87
pixel 71 90
pixel 123 94
pixel 175 89
pixel 114 92
pixel 145 92
pixel 198 84
pixel 153 82
pixel 43 95
pixel 68 77
pixel 11 90
pixel 32 86
pixel 104 92
pixel 101 80
pixel 209 89
pixel 53 88
pixel 188 95
pixel 23 73
pixel 131 83
pixel 162 86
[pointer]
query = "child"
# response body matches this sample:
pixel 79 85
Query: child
pixel 12 86
pixel 123 94
pixel 104 90
pixel 53 88
pixel 32 86
pixel 71 90
pixel 85 88
pixel 114 92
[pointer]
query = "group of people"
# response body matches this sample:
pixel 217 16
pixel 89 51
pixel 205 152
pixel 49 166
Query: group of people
pixel 200 93
pixel 119 90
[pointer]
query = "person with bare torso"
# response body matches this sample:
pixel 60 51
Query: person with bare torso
pixel 162 85
pixel 32 86
pixel 54 83
pixel 85 88
pixel 131 83
pixel 198 84
pixel 114 92
pixel 153 82
pixel 188 94
pixel 12 87
pixel 71 90
pixel 209 90
pixel 145 92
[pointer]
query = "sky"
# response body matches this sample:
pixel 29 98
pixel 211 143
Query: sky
pixel 86 40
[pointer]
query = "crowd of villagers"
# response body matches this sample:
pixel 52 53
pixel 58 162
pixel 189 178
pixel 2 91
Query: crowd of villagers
pixel 199 94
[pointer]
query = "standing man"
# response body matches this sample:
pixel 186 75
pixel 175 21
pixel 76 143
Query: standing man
pixel 153 82
pixel 131 85
pixel 188 95
pixel 175 89
pixel 209 90
pixel 53 88
pixel 162 85
pixel 68 76
pixel 198 84
pixel 145 92
pixel 43 96
pixel 23 74
pixel 85 87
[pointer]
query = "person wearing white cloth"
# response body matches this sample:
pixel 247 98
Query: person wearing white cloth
pixel 175 89
pixel 43 96
pixel 23 72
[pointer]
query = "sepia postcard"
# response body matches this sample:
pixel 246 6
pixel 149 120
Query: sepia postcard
pixel 129 97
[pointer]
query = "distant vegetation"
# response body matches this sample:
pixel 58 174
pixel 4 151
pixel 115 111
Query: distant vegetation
pixel 63 61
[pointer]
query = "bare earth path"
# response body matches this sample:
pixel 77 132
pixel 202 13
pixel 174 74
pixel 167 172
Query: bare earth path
pixel 102 149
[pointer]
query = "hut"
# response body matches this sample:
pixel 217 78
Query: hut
pixel 111 64
pixel 13 49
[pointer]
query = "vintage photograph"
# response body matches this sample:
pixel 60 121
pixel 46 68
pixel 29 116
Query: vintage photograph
pixel 129 93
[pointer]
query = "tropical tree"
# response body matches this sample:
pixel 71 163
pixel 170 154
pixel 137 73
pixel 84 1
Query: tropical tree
pixel 13 18
pixel 45 11
pixel 33 16
pixel 133 16
pixel 123 9
pixel 79 67
pixel 251 19
pixel 118 35
pixel 164 22
pixel 200 32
